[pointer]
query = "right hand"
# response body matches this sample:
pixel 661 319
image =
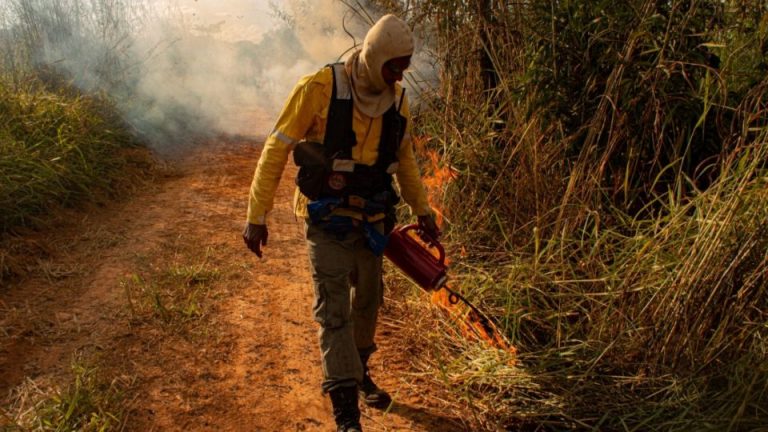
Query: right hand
pixel 255 236
pixel 428 227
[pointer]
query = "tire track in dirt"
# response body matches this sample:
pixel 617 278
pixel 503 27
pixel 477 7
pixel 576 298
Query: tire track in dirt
pixel 250 363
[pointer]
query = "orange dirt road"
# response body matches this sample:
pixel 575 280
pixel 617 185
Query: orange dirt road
pixel 247 360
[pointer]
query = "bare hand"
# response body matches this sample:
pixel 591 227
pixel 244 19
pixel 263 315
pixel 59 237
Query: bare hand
pixel 255 236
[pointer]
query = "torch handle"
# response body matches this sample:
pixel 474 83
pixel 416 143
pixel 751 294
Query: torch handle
pixel 431 244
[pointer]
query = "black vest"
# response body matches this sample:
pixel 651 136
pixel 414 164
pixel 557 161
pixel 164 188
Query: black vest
pixel 327 170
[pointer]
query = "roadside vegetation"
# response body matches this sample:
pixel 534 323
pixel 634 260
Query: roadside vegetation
pixel 607 204
pixel 60 146
pixel 87 404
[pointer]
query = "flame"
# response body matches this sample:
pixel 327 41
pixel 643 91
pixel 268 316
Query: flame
pixel 420 143
pixel 439 177
pixel 473 325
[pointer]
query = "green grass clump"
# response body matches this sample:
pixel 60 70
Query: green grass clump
pixel 58 147
pixel 88 403
pixel 176 291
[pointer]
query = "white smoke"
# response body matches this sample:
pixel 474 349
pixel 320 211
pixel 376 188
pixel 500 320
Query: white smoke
pixel 183 68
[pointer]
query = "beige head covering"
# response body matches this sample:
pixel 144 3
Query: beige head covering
pixel 389 38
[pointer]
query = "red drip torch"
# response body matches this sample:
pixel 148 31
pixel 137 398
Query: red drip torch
pixel 415 261
pixel 430 272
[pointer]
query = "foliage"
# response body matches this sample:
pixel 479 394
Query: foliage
pixel 57 148
pixel 88 403
pixel 612 158
pixel 63 142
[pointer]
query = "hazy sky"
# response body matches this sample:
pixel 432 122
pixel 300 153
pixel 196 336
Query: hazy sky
pixel 178 71
pixel 230 20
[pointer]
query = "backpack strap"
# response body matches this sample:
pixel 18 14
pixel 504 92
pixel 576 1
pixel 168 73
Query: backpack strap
pixel 341 84
pixel 339 136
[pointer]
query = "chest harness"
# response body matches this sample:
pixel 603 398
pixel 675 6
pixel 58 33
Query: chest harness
pixel 331 179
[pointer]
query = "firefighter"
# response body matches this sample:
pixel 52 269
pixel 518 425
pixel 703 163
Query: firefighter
pixel 347 127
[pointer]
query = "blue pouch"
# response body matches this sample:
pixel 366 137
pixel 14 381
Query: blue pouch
pixel 377 241
pixel 320 209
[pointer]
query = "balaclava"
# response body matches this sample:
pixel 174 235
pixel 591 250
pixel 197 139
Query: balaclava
pixel 389 38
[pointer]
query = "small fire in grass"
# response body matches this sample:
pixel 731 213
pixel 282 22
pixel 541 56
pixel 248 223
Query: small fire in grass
pixel 439 176
pixel 474 324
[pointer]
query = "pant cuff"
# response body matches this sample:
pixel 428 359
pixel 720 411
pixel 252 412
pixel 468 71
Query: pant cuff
pixel 329 386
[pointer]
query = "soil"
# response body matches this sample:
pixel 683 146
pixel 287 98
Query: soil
pixel 239 354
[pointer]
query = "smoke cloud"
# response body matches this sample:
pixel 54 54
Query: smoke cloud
pixel 183 69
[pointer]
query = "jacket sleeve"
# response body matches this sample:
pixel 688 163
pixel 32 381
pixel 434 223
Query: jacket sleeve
pixel 292 126
pixel 408 176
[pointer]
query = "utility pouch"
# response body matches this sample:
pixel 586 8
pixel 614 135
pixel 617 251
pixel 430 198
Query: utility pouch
pixel 377 241
pixel 313 168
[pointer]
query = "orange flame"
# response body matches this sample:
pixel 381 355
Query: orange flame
pixel 438 179
pixel 473 326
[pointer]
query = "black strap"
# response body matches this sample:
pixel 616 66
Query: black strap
pixel 339 135
pixel 392 133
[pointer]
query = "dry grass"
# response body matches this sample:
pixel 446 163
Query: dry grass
pixel 86 403
pixel 613 158
pixel 172 288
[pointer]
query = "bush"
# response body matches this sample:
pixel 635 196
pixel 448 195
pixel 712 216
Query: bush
pixel 58 148
pixel 609 189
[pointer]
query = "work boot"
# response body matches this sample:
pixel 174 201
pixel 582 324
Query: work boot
pixel 345 409
pixel 372 395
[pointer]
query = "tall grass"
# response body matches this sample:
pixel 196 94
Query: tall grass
pixel 63 142
pixel 611 196
pixel 87 42
pixel 57 149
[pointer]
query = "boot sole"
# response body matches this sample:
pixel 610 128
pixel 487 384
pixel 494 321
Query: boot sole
pixel 378 404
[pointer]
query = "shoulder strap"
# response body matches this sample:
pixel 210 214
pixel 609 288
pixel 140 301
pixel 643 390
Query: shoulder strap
pixel 392 133
pixel 339 136
pixel 341 84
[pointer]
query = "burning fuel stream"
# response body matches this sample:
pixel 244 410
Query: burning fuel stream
pixel 424 262
pixel 474 323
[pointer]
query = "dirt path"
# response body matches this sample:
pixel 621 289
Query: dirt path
pixel 200 335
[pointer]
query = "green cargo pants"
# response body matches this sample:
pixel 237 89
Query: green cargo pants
pixel 348 293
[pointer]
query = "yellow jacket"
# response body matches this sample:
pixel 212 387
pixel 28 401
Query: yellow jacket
pixel 304 118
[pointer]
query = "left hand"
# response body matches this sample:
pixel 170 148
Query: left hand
pixel 255 237
pixel 428 227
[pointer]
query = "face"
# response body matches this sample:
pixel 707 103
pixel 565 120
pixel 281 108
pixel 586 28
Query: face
pixel 392 70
